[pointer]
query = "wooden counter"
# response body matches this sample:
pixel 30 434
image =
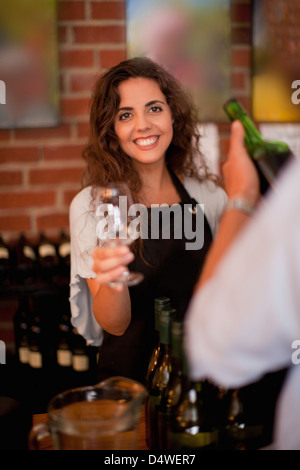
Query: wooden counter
pixel 47 444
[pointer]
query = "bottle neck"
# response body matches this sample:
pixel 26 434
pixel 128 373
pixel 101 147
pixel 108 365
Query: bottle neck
pixel 234 111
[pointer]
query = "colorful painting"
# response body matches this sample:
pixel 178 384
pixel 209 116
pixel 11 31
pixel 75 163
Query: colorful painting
pixel 191 39
pixel 28 64
pixel 276 52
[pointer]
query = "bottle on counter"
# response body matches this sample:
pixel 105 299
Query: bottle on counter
pixel 243 428
pixel 159 304
pixel 160 379
pixel 171 394
pixel 192 423
pixel 269 156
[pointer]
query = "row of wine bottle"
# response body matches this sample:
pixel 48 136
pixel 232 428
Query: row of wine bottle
pixel 186 414
pixel 45 339
pixel 26 263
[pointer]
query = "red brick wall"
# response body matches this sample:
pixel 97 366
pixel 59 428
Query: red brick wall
pixel 40 169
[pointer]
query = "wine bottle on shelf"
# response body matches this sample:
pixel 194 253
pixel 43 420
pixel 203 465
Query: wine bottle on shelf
pixel 159 304
pixel 80 359
pixel 160 379
pixel 5 263
pixel 64 343
pixel 21 327
pixel 35 357
pixel 192 423
pixel 47 257
pixel 26 261
pixel 269 156
pixel 171 394
pixel 64 254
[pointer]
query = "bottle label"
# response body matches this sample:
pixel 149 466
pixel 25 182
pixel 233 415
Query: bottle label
pixel 29 253
pixel 4 253
pixel 184 440
pixel 46 250
pixel 64 249
pixel 64 357
pixel 23 354
pixel 35 359
pixel 80 363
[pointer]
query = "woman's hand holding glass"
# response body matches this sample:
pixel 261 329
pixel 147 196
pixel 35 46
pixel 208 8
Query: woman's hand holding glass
pixel 115 235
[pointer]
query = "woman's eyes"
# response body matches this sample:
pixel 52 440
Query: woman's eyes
pixel 127 115
pixel 155 109
pixel 124 116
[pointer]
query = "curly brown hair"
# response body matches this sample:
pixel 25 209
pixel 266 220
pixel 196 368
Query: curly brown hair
pixel 106 161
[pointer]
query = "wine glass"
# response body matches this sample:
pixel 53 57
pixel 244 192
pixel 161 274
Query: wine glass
pixel 115 224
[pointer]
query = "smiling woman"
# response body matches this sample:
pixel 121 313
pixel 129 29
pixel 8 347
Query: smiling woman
pixel 143 133
pixel 144 129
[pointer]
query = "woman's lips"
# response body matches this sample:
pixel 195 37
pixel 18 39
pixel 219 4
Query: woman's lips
pixel 146 143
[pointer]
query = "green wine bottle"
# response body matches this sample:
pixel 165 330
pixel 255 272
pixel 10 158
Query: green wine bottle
pixel 192 423
pixel 269 156
pixel 159 304
pixel 160 379
pixel 243 427
pixel 171 394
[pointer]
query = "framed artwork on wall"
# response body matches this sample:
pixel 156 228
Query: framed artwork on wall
pixel 275 64
pixel 28 64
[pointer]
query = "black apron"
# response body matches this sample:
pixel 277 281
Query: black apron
pixel 171 271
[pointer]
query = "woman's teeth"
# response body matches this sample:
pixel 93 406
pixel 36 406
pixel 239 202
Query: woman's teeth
pixel 146 142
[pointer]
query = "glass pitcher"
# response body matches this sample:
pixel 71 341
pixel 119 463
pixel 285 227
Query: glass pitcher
pixel 104 416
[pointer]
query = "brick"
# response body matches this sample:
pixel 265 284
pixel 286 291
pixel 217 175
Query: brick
pixel 97 34
pixel 82 82
pixel 238 80
pixel 63 152
pixel 46 133
pixel 224 146
pixel 62 34
pixel 15 223
pixel 75 107
pixel 108 58
pixel 69 196
pixel 4 135
pixel 76 58
pixel 70 11
pixel 241 58
pixel 10 178
pixel 20 200
pixel 240 12
pixel 56 220
pixel 241 35
pixel 83 129
pixel 108 10
pixel 18 154
pixel 55 175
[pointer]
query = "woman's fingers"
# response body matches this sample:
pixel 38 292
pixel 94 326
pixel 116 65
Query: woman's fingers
pixel 104 264
pixel 111 262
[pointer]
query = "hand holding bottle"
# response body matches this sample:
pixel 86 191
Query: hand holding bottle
pixel 240 175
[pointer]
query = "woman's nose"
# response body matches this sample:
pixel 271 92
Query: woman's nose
pixel 142 123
